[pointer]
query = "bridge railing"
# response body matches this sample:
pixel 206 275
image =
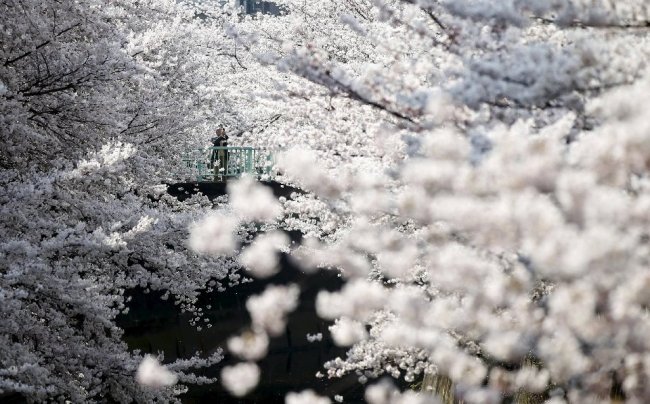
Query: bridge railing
pixel 221 163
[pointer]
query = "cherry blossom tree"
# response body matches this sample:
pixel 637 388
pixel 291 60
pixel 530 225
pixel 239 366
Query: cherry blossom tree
pixel 97 100
pixel 501 239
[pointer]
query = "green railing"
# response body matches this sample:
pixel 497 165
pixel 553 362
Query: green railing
pixel 217 164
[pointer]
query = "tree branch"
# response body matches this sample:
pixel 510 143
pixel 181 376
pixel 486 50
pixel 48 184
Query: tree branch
pixel 24 55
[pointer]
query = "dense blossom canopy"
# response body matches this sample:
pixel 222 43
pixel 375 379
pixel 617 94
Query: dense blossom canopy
pixel 96 100
pixel 476 170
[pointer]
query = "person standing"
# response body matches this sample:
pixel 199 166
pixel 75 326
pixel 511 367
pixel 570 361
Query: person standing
pixel 217 155
pixel 223 153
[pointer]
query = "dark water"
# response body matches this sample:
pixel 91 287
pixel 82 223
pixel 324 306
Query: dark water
pixel 155 325
pixel 185 190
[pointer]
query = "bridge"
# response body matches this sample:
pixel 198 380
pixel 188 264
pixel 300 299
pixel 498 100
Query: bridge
pixel 218 163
